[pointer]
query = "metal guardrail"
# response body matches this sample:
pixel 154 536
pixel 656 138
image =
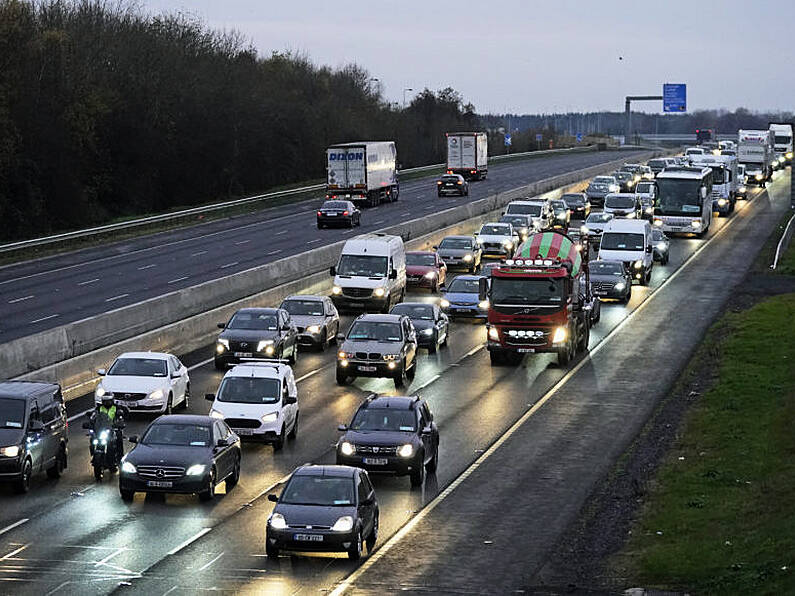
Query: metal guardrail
pixel 783 243
pixel 163 217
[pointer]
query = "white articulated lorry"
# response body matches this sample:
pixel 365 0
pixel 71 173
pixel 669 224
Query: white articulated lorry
pixel 782 141
pixel 755 150
pixel 468 154
pixel 364 172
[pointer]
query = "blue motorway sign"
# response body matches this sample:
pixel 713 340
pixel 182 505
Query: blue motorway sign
pixel 579 137
pixel 539 137
pixel 674 97
pixel 507 140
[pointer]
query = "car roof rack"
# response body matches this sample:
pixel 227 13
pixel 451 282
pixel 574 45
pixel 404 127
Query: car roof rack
pixel 274 363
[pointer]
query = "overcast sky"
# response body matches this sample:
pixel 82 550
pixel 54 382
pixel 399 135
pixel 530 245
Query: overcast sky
pixel 530 57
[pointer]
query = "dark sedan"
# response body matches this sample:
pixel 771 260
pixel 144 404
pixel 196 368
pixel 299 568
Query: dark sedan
pixel 578 204
pixel 626 180
pixel 662 246
pixel 452 184
pixel 610 280
pixel 338 213
pixel 324 509
pixel 181 454
pixel 256 333
pixel 430 323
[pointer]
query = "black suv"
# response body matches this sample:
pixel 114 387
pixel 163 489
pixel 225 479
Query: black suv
pixel 393 435
pixel 378 346
pixel 324 509
pixel 33 431
pixel 256 333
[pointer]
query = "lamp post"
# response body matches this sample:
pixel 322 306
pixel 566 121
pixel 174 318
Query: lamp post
pixel 404 96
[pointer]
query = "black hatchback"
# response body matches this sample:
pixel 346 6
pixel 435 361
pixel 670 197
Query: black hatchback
pixel 256 333
pixel 338 213
pixel 391 435
pixel 324 509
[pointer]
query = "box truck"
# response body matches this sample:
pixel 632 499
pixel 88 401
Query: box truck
pixel 364 172
pixel 782 141
pixel 755 150
pixel 468 154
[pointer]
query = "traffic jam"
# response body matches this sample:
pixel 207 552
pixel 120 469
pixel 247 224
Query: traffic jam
pixel 536 280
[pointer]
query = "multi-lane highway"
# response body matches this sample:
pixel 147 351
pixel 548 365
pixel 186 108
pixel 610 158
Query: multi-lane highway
pixel 77 536
pixel 46 293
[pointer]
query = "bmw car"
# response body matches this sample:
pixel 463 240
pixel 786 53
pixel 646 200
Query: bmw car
pixel 429 321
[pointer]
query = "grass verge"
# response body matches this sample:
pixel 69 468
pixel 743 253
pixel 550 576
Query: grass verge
pixel 719 517
pixel 786 265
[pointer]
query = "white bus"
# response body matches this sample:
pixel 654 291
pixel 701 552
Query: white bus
pixel 684 200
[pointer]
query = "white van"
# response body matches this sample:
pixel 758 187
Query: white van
pixel 371 273
pixel 258 400
pixel 629 241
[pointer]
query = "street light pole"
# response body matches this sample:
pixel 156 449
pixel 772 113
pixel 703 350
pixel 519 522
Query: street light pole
pixel 404 96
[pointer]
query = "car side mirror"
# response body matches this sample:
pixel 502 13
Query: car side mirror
pixel 435 247
pixel 175 375
pixel 222 325
pixel 427 430
pixel 102 372
pixel 332 270
pixel 222 443
pixel 290 399
pixel 475 233
pixel 209 396
pixel 393 274
pixel 35 426
pixel 133 438
pixel 273 498
pixel 340 337
pixel 342 428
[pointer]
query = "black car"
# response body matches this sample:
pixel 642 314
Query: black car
pixel 452 184
pixel 378 346
pixel 522 224
pixel 338 213
pixel 626 180
pixel 33 432
pixel 578 204
pixel 324 509
pixel 256 333
pixel 391 435
pixel 662 246
pixel 182 454
pixel 430 323
pixel 610 280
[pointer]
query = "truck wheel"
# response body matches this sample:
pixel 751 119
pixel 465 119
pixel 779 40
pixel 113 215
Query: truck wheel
pixel 564 354
pixel 496 358
pixel 585 338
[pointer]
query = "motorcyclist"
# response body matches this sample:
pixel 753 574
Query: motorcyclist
pixel 110 416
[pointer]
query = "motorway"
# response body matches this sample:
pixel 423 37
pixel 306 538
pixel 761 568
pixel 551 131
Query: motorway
pixel 77 536
pixel 45 293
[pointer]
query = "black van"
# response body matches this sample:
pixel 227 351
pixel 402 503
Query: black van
pixel 33 431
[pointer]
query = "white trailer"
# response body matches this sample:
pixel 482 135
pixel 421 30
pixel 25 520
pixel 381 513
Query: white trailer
pixel 364 172
pixel 468 154
pixel 782 141
pixel 755 150
pixel 725 182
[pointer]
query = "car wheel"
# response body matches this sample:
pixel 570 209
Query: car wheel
pixel 342 378
pixel 294 432
pixel 126 495
pixel 350 225
pixel 582 345
pixel 434 344
pixel 59 465
pixel 219 365
pixel 496 358
pixel 272 551
pixel 279 442
pixel 169 404
pixel 293 355
pixel 355 551
pixel 628 295
pixel 400 378
pixel 418 475
pixel 665 261
pixel 233 479
pixel 185 402
pixel 23 484
pixel 435 287
pixel 446 335
pixel 209 494
pixel 319 227
pixel 412 372
pixel 434 463
pixel 371 539
pixel 98 472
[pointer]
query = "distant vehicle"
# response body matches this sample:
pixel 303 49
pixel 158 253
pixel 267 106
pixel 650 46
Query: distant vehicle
pixel 256 333
pixel 635 169
pixel 756 150
pixel 181 454
pixel 692 151
pixel 782 141
pixel 364 172
pixel 425 270
pixel 488 268
pixel 684 202
pixel 497 239
pixel 324 509
pixel 594 225
pixel 452 184
pixel 578 204
pixel 338 213
pixel 460 297
pixel 561 213
pixel 430 323
pixel 724 181
pixel 704 135
pixel 579 237
pixel 523 224
pixel 623 205
pixel 258 400
pixel 599 187
pixel 646 191
pixel 659 164
pixel 468 154
pixel 381 346
pixel 629 241
pixel 611 281
pixel 460 251
pixel 626 180
pixel 539 209
pixel 662 246
pixel 391 435
pixel 370 273
pixel 742 183
pixel 315 317
pixel 33 432
pixel 646 173
pixel 153 382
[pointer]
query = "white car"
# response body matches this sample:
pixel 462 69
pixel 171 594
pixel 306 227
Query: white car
pixel 145 382
pixel 498 239
pixel 258 400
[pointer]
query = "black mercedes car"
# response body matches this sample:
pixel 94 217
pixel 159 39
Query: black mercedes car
pixel 431 324
pixel 610 280
pixel 324 509
pixel 391 435
pixel 256 333
pixel 578 204
pixel 183 454
pixel 338 213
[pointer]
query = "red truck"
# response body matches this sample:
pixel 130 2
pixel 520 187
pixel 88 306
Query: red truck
pixel 540 301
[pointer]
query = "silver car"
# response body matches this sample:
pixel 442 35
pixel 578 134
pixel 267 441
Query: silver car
pixel 315 317
pixel 600 187
pixel 460 251
pixel 594 226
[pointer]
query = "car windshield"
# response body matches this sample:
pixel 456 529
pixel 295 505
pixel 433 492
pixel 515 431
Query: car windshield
pixel 253 321
pixel 623 175
pixel 599 218
pixel 718 174
pixel 606 268
pixel 782 140
pixel 520 221
pixel 456 243
pixel 492 230
pixel 463 286
pixel 420 260
pixel 414 311
pixel 177 435
pixel 537 290
pixel 449 178
pixel 384 419
pixel 362 265
pixel 374 331
pixel 534 210
pixel 249 390
pixel 574 200
pixel 657 163
pixel 604 180
pixel 138 367
pixel 621 241
pixel 679 195
pixel 323 491
pixel 303 307
pixel 558 205
pixel 694 152
pixel 643 187
pixel 12 413
pixel 330 205
pixel 619 203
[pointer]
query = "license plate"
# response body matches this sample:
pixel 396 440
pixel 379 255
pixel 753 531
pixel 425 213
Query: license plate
pixel 460 310
pixel 526 350
pixel 308 537
pixel 600 293
pixel 243 432
pixel 376 461
pixel 332 214
pixel 159 484
pixel 243 354
pixel 367 368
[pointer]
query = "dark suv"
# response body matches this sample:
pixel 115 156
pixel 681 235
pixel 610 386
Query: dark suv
pixel 256 333
pixel 33 432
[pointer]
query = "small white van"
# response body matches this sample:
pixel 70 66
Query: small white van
pixel 629 241
pixel 370 273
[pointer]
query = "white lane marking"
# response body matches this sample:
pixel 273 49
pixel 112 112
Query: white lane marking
pixel 14 552
pixel 474 350
pixel 147 267
pixel 189 541
pixel 273 252
pixel 310 373
pixel 89 281
pixel 80 415
pixel 242 242
pixel 47 318
pixel 166 593
pixel 14 525
pixel 119 297
pixel 348 582
pixel 173 281
pixel 232 264
pixel 118 551
pixel 209 563
pixel 380 221
pixel 201 252
pixel 15 300
pixel 280 233
pixel 200 364
pixel 58 587
pixel 315 240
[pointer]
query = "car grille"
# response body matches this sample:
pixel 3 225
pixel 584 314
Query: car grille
pixel 243 346
pixel 377 449
pixel 242 422
pixel 366 356
pixel 526 337
pixel 492 246
pixel 603 286
pixel 129 396
pixel 357 292
pixel 301 329
pixel 308 527
pixel 159 472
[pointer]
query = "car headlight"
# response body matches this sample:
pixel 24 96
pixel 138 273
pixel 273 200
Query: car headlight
pixel 272 417
pixel 104 436
pixel 743 188
pixel 658 222
pixel 430 275
pixel 696 224
pixel 128 468
pixel 494 334
pixel 638 264
pixel 613 188
pixel 427 332
pixel 342 355
pixel 789 155
pixel 391 357
pixel 336 290
pixel 620 286
pixel 221 345
pixel 584 230
pixel 100 391
pixel 444 303
pixel 480 241
pixel 759 177
pixel 483 304
pixel 261 346
pixel 277 522
pixel 347 448
pixel 11 451
pixel 636 178
pixel 467 258
pixel 661 246
pixel 721 202
pixel 156 394
pixel 343 524
pixel 560 335
pixel 650 210
pixel 631 215
pixel 313 329
pixel 379 292
pixel 561 216
pixel 196 470
pixel 406 450
pixel 216 414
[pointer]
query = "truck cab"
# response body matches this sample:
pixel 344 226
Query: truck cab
pixel 629 241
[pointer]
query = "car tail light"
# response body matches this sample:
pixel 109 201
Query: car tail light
pixel 471 171
pixel 345 213
pixel 438 182
pixel 319 213
pixel 459 182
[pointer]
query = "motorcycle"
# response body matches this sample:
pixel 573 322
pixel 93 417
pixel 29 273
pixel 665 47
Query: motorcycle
pixel 102 448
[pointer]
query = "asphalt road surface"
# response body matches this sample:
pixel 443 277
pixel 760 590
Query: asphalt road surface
pixel 38 295
pixel 77 536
